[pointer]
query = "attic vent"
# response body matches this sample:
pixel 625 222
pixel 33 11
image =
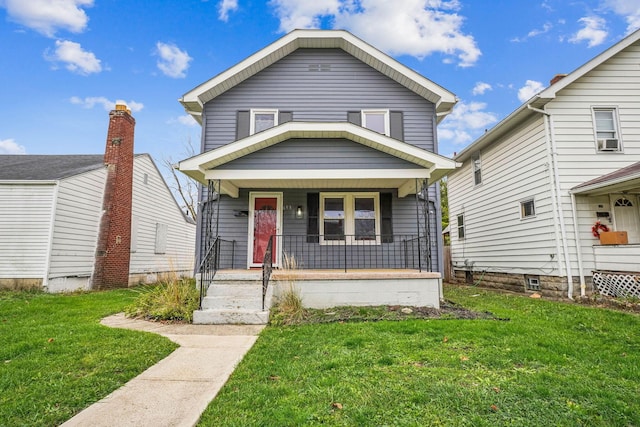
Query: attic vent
pixel 319 67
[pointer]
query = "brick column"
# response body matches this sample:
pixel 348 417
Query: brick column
pixel 114 238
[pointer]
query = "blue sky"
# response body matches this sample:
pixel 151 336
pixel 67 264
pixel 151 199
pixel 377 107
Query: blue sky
pixel 66 62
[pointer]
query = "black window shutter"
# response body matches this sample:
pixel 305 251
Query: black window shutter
pixel 313 211
pixel 386 225
pixel 242 124
pixel 354 117
pixel 284 117
pixel 396 125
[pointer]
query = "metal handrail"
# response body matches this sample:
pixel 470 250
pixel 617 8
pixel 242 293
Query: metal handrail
pixel 210 264
pixel 267 268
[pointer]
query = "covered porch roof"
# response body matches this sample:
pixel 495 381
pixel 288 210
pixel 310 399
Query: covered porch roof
pixel 625 180
pixel 428 165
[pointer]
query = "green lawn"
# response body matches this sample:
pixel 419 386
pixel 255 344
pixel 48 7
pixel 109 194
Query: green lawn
pixel 56 359
pixel 551 363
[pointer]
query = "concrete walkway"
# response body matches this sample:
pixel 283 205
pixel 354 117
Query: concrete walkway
pixel 178 389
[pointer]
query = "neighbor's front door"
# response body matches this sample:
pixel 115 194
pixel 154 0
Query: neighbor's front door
pixel 265 217
pixel 627 216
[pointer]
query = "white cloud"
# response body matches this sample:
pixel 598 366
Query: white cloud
pixel 173 62
pixel 226 6
pixel 533 33
pixel 467 121
pixel 480 88
pixel 413 27
pixel 76 59
pixel 108 105
pixel 629 10
pixel 9 146
pixel 530 88
pixel 184 120
pixel 48 16
pixel 593 31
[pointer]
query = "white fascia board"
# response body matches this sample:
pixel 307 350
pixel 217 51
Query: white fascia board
pixel 316 174
pixel 199 164
pixel 194 100
pixel 29 182
pixel 604 184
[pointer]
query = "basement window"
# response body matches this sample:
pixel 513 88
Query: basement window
pixel 532 282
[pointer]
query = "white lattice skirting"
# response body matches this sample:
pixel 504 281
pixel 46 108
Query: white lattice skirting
pixel 617 284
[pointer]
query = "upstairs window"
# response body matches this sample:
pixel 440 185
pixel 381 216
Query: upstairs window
pixel 606 128
pixel 527 209
pixel 477 168
pixel 461 226
pixel 376 120
pixel 262 120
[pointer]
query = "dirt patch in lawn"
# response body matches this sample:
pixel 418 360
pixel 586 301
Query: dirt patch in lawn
pixel 620 304
pixel 447 310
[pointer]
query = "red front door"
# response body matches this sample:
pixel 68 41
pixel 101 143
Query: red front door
pixel 265 221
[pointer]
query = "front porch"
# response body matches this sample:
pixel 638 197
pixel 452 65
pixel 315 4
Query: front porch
pixel 242 296
pixel 617 270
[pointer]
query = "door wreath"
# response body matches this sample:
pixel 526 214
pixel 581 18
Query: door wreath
pixel 597 228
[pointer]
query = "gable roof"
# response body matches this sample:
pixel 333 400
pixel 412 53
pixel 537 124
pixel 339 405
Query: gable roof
pixel 539 100
pixel 197 165
pixel 31 167
pixel 194 100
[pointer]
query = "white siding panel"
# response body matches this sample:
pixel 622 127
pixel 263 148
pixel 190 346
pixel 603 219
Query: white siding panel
pixel 75 231
pixel 497 239
pixel 615 83
pixel 25 221
pixel 153 203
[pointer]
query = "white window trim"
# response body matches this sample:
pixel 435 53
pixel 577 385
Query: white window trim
pixel 349 218
pixel 252 122
pixel 522 202
pixel 473 167
pixel 458 227
pixel 616 127
pixel 387 124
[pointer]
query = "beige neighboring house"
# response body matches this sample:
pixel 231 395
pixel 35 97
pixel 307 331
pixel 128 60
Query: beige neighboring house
pixel 52 214
pixel 526 202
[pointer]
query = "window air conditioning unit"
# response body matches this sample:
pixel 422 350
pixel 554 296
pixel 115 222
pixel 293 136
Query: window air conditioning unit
pixel 608 144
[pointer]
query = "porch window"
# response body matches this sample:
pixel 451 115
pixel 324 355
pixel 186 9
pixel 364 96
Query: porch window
pixel 477 168
pixel 350 218
pixel 527 209
pixel 262 120
pixel 376 120
pixel 606 129
pixel 461 226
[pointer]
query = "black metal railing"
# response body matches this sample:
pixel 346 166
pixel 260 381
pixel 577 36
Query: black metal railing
pixel 351 252
pixel 220 255
pixel 267 268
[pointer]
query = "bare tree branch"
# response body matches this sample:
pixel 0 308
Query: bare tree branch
pixel 183 187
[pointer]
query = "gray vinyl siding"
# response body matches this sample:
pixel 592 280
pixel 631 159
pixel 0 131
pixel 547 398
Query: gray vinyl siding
pixel 314 96
pixel 318 154
pixel 75 232
pixel 153 204
pixel 25 223
pixel 234 227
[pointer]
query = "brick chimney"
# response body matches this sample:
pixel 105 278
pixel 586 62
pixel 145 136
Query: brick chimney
pixel 557 78
pixel 114 236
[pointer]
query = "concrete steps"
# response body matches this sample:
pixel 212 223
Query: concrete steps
pixel 234 298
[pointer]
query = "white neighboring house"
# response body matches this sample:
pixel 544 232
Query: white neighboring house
pixel 530 190
pixel 50 211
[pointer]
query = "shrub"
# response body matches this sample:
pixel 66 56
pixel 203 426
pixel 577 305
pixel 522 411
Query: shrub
pixel 173 300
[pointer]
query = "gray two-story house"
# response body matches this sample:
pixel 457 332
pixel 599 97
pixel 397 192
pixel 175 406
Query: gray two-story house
pixel 321 149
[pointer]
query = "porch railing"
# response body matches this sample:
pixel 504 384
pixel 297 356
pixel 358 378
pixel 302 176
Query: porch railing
pixel 267 268
pixel 220 255
pixel 351 252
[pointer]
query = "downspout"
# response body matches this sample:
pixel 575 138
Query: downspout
pixel 583 286
pixel 551 144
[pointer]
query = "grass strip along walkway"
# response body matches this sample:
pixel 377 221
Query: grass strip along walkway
pixel 56 359
pixel 551 363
